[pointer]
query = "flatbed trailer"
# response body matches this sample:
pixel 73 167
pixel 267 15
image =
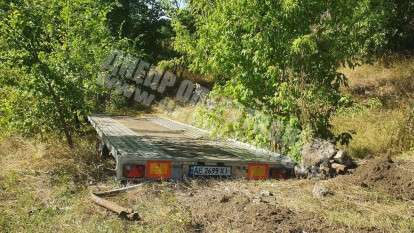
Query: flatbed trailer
pixel 153 147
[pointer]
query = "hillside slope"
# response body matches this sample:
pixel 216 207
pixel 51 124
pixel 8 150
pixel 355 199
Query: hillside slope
pixel 45 187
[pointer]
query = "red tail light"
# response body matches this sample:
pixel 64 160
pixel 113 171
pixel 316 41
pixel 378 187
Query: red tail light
pixel 134 171
pixel 279 173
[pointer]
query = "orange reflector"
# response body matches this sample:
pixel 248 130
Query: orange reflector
pixel 256 171
pixel 158 169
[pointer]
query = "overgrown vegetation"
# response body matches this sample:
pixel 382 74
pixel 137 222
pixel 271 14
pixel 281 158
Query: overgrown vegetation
pixel 231 120
pixel 380 117
pixel 282 59
pixel 45 187
pixel 144 28
pixel 277 59
pixel 50 52
pixel 283 72
pixel 377 115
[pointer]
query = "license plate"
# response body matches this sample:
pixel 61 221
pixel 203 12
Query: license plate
pixel 210 171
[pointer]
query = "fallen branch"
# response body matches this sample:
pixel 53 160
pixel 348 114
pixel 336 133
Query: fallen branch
pixel 112 206
pixel 116 191
pixel 121 211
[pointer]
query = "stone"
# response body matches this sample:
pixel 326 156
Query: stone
pixel 325 167
pixel 326 170
pixel 300 171
pixel 266 193
pixel 351 170
pixel 339 168
pixel 224 199
pixel 320 191
pixel 317 151
pixel 342 157
pixel 314 173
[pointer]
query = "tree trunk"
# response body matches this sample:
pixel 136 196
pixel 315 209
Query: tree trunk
pixel 69 138
pixel 47 72
pixel 59 108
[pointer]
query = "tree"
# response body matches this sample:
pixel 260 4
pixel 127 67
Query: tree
pixel 50 52
pixel 146 25
pixel 384 27
pixel 283 56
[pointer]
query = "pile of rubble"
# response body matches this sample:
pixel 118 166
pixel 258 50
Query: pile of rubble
pixel 321 159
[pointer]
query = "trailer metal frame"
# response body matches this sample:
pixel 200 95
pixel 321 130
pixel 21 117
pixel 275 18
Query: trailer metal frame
pixel 137 140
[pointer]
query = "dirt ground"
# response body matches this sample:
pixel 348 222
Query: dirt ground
pixel 248 212
pixel 384 174
pixel 247 208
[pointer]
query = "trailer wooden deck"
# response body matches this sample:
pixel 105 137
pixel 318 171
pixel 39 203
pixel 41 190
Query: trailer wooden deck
pixel 137 140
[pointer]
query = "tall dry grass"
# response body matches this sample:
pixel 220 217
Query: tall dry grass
pixel 385 126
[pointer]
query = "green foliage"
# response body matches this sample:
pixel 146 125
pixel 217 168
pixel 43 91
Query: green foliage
pixel 230 119
pixel 356 108
pixel 283 56
pixel 390 24
pixel 50 52
pixel 144 24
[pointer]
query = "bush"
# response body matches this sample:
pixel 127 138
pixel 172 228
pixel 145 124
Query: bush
pixel 229 119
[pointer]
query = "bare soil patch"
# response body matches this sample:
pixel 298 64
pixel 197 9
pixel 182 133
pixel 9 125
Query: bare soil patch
pixel 394 177
pixel 224 208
